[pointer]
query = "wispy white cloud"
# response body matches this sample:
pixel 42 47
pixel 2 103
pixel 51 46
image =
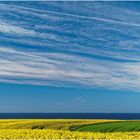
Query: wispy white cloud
pixel 79 99
pixel 60 69
pixel 80 16
pixel 60 104
pixel 45 47
pixel 7 28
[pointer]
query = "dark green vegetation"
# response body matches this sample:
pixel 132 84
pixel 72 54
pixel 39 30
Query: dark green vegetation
pixel 122 126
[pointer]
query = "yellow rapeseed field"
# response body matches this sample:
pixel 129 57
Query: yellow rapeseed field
pixel 63 134
pixel 57 129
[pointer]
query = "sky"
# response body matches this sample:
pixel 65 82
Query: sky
pixel 70 57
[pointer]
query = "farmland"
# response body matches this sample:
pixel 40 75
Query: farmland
pixel 119 126
pixel 68 129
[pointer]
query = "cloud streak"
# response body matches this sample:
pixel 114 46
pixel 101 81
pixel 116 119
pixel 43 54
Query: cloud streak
pixel 79 16
pixel 63 48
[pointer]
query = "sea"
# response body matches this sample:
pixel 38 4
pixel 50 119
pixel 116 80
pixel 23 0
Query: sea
pixel 119 116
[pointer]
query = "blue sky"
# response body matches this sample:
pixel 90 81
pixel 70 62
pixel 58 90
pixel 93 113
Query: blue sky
pixel 69 56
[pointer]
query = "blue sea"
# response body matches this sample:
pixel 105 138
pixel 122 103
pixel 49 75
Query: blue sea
pixel 121 116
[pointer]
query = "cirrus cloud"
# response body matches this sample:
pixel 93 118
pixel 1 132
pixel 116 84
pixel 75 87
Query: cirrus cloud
pixel 72 46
